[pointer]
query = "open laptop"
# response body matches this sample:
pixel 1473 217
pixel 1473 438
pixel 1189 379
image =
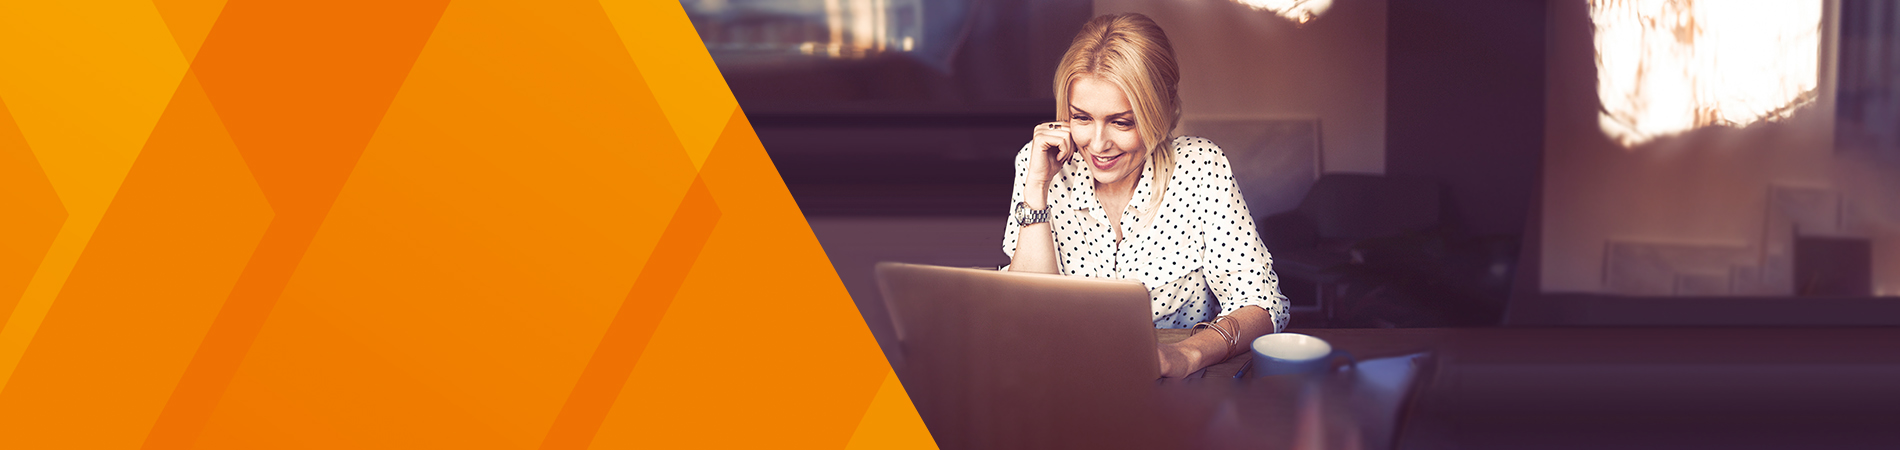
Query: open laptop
pixel 1012 360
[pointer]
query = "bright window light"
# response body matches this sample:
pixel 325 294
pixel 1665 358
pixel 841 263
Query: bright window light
pixel 1298 11
pixel 1669 66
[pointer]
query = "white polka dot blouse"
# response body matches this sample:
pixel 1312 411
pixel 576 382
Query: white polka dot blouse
pixel 1199 240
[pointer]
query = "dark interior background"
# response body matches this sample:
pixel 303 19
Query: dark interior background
pixel 904 158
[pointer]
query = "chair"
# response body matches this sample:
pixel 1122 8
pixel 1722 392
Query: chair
pixel 1312 241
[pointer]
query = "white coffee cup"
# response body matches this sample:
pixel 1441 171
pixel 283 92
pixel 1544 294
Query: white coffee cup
pixel 1292 353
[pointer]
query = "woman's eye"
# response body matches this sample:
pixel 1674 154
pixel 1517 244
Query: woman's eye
pixel 1080 118
pixel 1124 123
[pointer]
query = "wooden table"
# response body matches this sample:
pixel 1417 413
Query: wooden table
pixel 1212 409
pixel 1617 387
pixel 1512 388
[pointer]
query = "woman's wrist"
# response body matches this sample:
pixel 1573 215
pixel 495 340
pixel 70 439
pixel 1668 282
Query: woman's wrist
pixel 1192 355
pixel 1036 195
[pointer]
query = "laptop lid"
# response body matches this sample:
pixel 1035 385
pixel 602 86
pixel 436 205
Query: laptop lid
pixel 1000 359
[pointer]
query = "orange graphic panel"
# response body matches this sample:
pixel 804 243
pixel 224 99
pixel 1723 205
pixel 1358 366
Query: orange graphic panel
pixel 142 295
pixel 34 214
pixel 358 224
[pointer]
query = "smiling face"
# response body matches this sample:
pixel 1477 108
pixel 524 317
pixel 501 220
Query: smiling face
pixel 1102 123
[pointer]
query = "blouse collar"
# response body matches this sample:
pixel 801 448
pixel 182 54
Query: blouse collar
pixel 1079 187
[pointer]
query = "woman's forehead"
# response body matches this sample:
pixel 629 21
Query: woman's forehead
pixel 1097 96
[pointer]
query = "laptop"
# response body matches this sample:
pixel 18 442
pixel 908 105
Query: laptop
pixel 1013 360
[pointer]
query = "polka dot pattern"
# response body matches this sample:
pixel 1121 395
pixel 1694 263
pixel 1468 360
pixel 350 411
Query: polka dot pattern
pixel 1197 251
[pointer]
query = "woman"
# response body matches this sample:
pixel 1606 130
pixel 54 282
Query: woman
pixel 1106 192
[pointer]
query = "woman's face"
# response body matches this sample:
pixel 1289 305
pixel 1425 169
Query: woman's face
pixel 1106 136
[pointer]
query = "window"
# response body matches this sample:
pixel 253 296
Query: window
pixel 1669 66
pixel 1298 11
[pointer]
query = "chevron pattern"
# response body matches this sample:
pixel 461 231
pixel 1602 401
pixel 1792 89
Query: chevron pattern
pixel 426 224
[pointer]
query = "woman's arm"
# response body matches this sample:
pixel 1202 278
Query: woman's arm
pixel 1207 347
pixel 1035 243
pixel 1238 269
pixel 1035 249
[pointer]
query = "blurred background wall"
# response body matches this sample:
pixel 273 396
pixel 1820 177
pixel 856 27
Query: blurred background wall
pixel 1715 202
pixel 1238 62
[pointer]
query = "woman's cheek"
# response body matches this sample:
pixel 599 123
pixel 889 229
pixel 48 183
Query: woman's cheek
pixel 1128 140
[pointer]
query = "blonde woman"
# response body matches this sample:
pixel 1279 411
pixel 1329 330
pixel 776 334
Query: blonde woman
pixel 1107 191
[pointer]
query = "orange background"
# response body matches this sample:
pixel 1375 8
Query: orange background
pixel 367 224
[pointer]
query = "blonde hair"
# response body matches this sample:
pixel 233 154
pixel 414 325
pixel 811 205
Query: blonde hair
pixel 1130 51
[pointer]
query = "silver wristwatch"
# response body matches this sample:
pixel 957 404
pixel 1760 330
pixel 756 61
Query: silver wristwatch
pixel 1025 216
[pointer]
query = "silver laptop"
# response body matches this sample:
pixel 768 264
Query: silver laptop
pixel 1012 360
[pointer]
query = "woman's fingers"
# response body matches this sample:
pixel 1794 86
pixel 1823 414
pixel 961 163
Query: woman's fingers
pixel 1047 141
pixel 1068 148
pixel 1053 139
pixel 1060 131
pixel 1055 136
pixel 1054 142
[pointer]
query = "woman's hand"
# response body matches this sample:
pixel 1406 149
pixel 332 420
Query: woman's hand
pixel 1204 349
pixel 1178 360
pixel 1054 148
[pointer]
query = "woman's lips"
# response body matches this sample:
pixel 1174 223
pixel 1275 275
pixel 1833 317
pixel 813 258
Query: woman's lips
pixel 1105 163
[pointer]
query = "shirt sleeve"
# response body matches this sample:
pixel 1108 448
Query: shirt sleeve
pixel 1015 196
pixel 1239 269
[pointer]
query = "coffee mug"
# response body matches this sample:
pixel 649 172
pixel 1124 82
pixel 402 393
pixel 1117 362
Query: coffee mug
pixel 1293 353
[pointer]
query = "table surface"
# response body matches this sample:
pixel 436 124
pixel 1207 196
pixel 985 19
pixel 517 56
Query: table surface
pixel 1733 387
pixel 1612 345
pixel 1511 388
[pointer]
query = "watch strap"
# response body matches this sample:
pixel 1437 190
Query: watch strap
pixel 1026 216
